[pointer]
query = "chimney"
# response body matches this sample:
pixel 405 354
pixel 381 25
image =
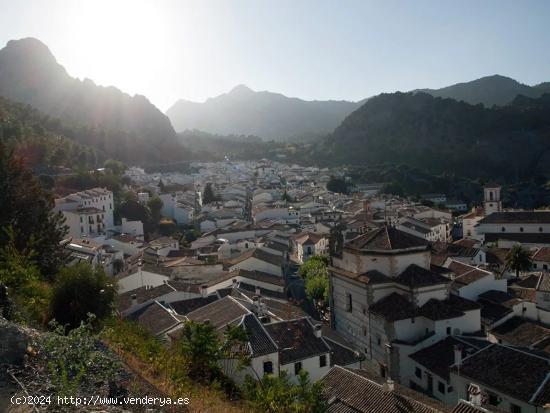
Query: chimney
pixel 317 330
pixel 458 355
pixel 204 290
pixel 134 300
pixel 389 385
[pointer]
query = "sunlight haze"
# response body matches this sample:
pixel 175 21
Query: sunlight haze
pixel 167 50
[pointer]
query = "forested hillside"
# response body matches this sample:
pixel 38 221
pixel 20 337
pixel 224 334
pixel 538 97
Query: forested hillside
pixel 123 127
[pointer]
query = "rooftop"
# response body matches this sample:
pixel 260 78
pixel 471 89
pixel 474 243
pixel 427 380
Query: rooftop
pixel 386 239
pixel 349 392
pixel 503 368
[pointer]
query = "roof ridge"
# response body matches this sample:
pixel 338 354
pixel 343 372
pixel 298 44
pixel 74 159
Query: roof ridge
pixel 539 389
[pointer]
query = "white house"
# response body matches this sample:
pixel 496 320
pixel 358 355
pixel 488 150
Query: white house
pixel 87 213
pixel 307 244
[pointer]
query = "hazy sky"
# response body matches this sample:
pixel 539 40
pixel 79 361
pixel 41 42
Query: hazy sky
pixel 336 49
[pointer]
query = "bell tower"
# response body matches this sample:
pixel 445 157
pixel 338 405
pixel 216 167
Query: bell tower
pixel 491 199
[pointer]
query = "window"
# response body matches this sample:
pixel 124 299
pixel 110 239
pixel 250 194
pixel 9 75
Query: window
pixel 540 229
pixel 418 373
pixel 441 387
pixel 520 229
pixel 503 229
pixel 268 367
pixel 81 229
pixel 515 408
pixel 80 218
pixel 493 399
pixel 110 206
pixel 349 303
pixel 448 331
pixel 378 340
pixel 491 196
pixel 323 360
pixel 534 265
pixel 297 368
pixel 103 207
pixel 544 266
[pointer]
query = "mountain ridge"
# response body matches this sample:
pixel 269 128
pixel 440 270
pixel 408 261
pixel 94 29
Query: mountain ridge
pixel 488 90
pixel 127 126
pixel 270 115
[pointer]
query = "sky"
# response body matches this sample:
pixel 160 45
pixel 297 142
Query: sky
pixel 339 49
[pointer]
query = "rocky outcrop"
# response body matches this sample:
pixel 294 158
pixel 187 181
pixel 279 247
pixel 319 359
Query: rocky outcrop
pixel 13 343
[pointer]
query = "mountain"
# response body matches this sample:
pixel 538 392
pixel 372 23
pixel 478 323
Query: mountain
pixel 445 136
pixel 122 126
pixel 490 90
pixel 269 115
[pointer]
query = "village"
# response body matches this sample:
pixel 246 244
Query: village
pixel 436 304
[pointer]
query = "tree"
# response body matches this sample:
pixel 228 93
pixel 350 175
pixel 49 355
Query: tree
pixel 155 205
pixel 313 267
pixel 208 196
pixel 134 211
pixel 277 394
pixel 315 273
pixel 81 290
pixel 204 350
pixel 337 185
pixel 116 167
pixel 28 210
pixel 317 288
pixel 518 259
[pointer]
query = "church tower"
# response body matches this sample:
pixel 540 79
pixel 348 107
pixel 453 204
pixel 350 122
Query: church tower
pixel 491 199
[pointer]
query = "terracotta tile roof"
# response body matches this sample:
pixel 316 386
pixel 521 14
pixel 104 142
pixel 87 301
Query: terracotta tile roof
pixel 519 217
pixel 259 254
pixel 439 357
pixel 219 313
pixel 143 294
pixel 544 283
pixel 453 307
pixel 260 341
pixel 542 254
pixel 503 368
pixel 518 331
pixel 394 307
pixel 524 238
pixel 499 297
pixel 386 239
pixel 296 340
pixel 416 276
pixel 346 391
pixel 184 307
pixel 369 277
pixel 155 318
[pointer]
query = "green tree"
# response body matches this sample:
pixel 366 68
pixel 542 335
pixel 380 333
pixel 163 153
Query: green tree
pixel 277 394
pixel 155 205
pixel 81 290
pixel 315 273
pixel 518 259
pixel 116 167
pixel 314 266
pixel 209 196
pixel 317 288
pixel 204 350
pixel 28 209
pixel 337 185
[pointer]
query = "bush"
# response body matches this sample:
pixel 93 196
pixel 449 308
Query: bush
pixel 79 291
